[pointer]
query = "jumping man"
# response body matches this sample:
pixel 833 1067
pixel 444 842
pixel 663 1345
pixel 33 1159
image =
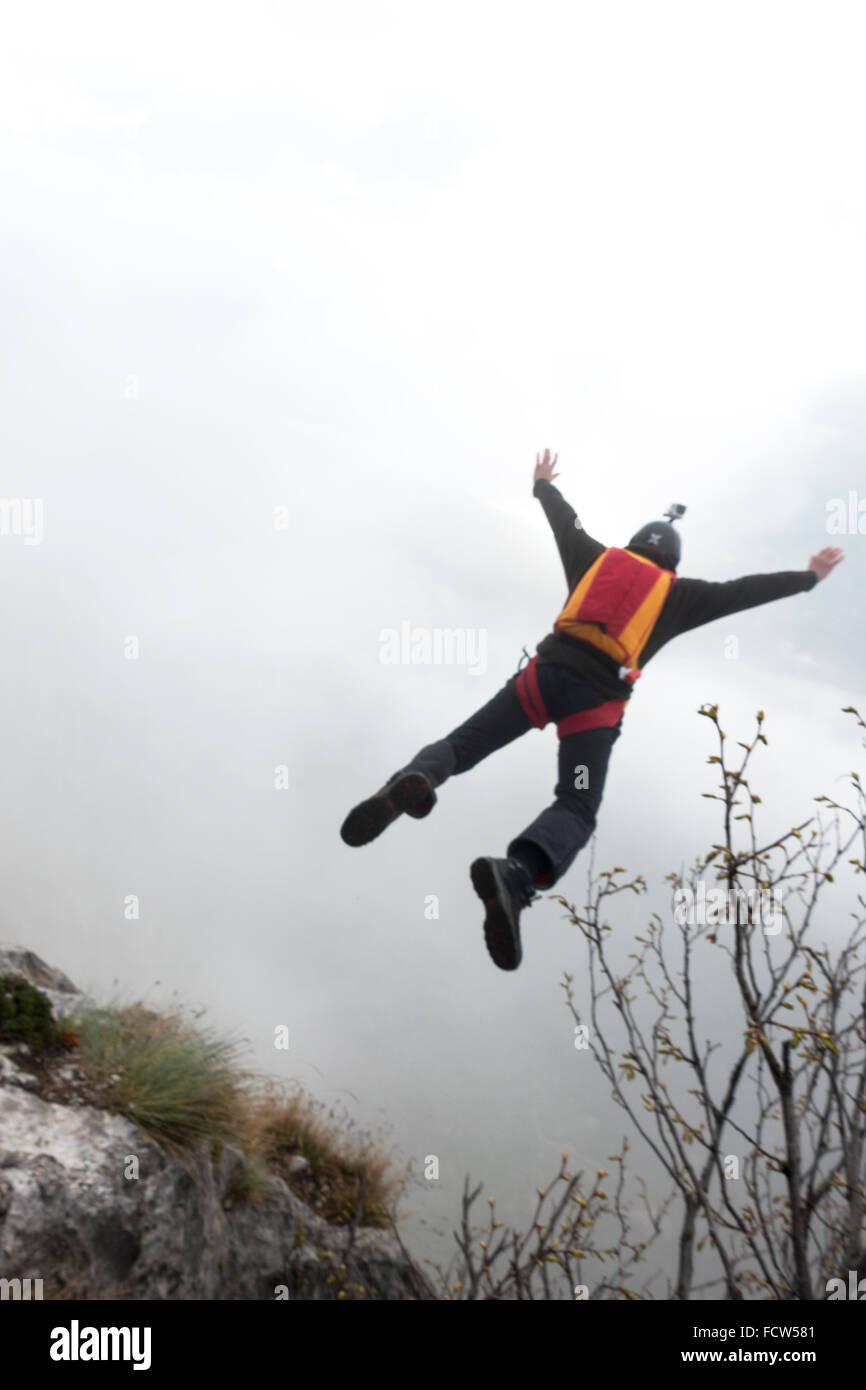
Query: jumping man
pixel 623 606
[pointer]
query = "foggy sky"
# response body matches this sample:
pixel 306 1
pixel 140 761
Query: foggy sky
pixel 361 263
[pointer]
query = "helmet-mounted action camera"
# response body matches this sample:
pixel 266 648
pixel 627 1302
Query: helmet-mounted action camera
pixel 659 541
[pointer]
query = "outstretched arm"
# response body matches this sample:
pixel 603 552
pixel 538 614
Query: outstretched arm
pixel 576 549
pixel 698 601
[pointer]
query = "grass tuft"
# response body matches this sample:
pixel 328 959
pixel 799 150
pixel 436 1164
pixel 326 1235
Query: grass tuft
pixel 345 1170
pixel 183 1084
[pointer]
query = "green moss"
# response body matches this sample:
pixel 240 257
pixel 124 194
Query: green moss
pixel 25 1014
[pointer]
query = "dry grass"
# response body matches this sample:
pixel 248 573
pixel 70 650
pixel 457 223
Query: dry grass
pixel 183 1084
pixel 345 1170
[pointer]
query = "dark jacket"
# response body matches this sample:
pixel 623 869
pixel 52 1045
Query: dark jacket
pixel 690 603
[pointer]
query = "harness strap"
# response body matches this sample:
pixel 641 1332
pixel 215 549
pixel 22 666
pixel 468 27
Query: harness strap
pixel 602 717
pixel 529 695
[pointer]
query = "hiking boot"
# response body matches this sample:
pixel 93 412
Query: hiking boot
pixel 505 887
pixel 407 791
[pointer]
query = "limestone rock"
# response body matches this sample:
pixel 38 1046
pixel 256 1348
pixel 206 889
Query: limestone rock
pixel 74 1213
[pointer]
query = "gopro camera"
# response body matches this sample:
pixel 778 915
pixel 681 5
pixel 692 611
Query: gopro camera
pixel 675 511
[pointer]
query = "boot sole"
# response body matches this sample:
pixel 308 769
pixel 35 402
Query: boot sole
pixel 367 821
pixel 500 934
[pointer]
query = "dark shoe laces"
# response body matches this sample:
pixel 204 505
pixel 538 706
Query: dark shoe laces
pixel 521 883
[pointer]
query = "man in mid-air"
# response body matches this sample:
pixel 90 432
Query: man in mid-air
pixel 623 606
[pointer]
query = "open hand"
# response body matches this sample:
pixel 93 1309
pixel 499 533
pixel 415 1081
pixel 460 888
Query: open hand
pixel 825 561
pixel 544 468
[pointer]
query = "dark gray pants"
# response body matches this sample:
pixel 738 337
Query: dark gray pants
pixel 563 829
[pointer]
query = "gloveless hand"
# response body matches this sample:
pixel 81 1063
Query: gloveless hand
pixel 826 560
pixel 544 467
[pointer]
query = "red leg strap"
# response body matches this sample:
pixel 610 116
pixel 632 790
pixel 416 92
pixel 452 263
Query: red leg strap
pixel 529 696
pixel 601 717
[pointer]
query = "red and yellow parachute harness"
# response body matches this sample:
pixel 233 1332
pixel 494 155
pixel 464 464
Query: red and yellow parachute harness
pixel 614 608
